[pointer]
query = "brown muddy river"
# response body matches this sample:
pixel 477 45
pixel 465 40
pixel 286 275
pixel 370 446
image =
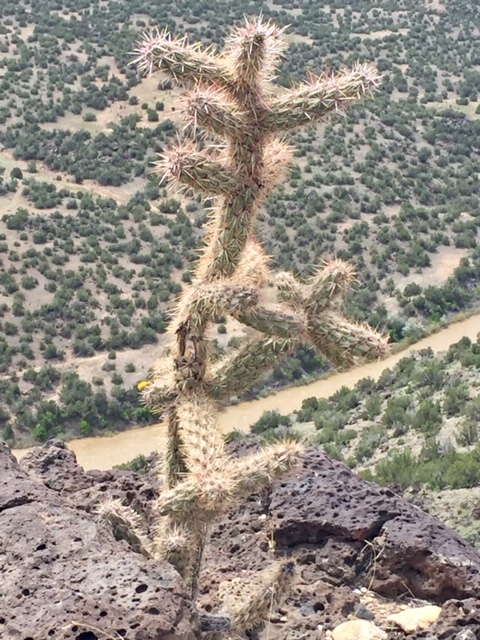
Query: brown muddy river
pixel 103 452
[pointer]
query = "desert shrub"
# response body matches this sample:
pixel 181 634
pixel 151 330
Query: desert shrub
pixel 139 464
pixel 468 433
pixel 270 420
pixel 370 440
pixel 372 407
pixel 455 399
pixel 428 417
pixel 396 412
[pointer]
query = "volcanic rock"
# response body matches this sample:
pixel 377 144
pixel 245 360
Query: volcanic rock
pixel 344 534
pixel 65 577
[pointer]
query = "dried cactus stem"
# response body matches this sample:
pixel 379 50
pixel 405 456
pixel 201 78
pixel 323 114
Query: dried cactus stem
pixel 182 544
pixel 125 523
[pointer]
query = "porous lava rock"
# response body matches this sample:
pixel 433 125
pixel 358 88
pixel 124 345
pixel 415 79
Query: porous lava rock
pixel 65 577
pixel 344 533
pixel 400 548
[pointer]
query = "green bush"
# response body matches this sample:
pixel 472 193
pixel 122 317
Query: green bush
pixel 455 399
pixel 370 440
pixel 270 420
pixel 468 433
pixel 428 418
pixel 372 407
pixel 396 412
pixel 139 464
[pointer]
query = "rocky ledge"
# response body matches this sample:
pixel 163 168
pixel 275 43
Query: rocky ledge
pixel 362 553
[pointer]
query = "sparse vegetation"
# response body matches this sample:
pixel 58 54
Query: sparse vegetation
pixel 99 250
pixel 407 427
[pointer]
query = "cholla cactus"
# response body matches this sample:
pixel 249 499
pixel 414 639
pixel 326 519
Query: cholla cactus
pixel 229 97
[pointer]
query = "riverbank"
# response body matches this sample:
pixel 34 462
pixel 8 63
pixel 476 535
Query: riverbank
pixel 103 452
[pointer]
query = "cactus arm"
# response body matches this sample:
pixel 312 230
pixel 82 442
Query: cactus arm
pixel 206 492
pixel 330 283
pixel 189 168
pixel 258 470
pixel 241 369
pixel 346 343
pixel 185 63
pixel 247 602
pixel 203 301
pixel 317 98
pixel 290 291
pixel 201 439
pixel 174 463
pixel 252 52
pixel 274 322
pixel 230 236
pixel 126 524
pixel 213 109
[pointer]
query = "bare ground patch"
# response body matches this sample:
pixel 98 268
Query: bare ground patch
pixel 436 5
pixel 443 265
pixel 61 179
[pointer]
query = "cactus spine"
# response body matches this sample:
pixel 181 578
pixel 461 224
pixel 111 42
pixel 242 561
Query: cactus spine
pixel 229 96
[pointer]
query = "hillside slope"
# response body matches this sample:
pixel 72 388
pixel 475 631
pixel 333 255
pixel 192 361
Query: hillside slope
pixel 93 251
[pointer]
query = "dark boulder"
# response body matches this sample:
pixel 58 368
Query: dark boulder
pixel 65 577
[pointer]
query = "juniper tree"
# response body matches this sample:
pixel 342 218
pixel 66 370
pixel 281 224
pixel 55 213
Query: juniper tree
pixel 239 160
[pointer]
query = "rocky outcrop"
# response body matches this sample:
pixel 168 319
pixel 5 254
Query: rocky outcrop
pixel 394 545
pixel 65 577
pixel 344 533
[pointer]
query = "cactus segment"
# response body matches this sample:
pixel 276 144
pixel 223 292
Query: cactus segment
pixel 321 96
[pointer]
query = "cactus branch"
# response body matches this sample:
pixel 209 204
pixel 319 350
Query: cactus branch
pixel 126 524
pixel 201 303
pixel 202 443
pixel 252 51
pixel 212 108
pixel 248 601
pixel 274 322
pixel 242 369
pixel 185 63
pixel 187 167
pixel 330 282
pixel 321 96
pixel 346 343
